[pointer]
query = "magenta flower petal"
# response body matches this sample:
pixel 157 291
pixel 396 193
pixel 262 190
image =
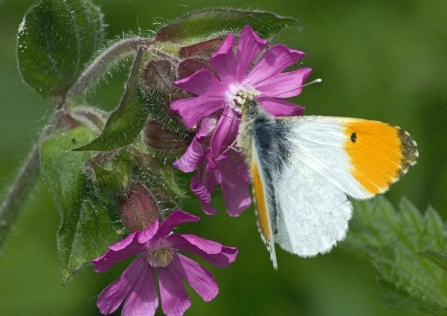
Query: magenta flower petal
pixel 249 47
pixel 192 110
pixel 208 209
pixel 136 288
pixel 146 235
pixel 174 298
pixel 225 132
pixel 111 257
pixel 203 192
pixel 115 293
pixel 201 82
pixel 285 85
pixel 174 219
pixel 211 160
pixel 221 259
pixel 277 107
pixel 233 179
pixel 199 188
pixel 207 126
pixel 195 152
pixel 200 279
pixel 209 179
pixel 274 60
pixel 223 60
pixel 122 244
pixel 248 72
pixel 143 299
pixel 192 157
pixel 206 245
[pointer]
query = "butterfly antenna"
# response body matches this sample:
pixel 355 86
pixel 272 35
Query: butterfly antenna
pixel 304 85
pixel 312 82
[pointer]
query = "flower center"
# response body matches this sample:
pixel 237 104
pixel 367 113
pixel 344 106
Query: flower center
pixel 237 93
pixel 160 257
pixel 243 95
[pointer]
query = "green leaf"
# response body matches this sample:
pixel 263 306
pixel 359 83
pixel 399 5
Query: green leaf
pixel 127 121
pixel 113 180
pixel 87 227
pixel 398 242
pixel 440 258
pixel 203 25
pixel 55 40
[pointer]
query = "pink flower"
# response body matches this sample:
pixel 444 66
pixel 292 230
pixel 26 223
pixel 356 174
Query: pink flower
pixel 233 178
pixel 216 100
pixel 156 247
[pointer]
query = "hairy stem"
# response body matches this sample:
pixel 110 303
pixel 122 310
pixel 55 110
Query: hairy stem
pixel 109 58
pixel 24 182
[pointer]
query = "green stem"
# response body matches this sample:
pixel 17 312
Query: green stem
pixel 24 182
pixel 102 64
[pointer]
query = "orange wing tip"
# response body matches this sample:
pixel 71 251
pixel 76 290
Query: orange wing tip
pixel 409 150
pixel 380 154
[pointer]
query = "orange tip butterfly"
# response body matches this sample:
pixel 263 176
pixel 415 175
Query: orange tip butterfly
pixel 304 168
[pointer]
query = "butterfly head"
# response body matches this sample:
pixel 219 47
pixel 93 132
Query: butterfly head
pixel 247 101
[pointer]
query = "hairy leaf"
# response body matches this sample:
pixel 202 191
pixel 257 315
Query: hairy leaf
pixel 440 258
pixel 87 227
pixel 55 40
pixel 127 121
pixel 202 25
pixel 394 240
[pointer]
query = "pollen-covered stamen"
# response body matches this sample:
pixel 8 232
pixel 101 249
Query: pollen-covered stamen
pixel 243 95
pixel 160 257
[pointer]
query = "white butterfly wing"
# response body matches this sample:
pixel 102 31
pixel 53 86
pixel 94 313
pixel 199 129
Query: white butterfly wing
pixel 303 168
pixel 312 207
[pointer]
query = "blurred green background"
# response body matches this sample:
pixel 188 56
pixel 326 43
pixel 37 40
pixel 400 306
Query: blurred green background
pixel 383 60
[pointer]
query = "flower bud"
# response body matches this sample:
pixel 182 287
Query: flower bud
pixel 191 65
pixel 203 49
pixel 138 208
pixel 157 75
pixel 159 137
pixel 197 56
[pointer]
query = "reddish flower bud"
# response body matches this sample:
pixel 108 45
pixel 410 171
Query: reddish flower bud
pixel 159 137
pixel 157 75
pixel 191 65
pixel 204 49
pixel 197 56
pixel 138 208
